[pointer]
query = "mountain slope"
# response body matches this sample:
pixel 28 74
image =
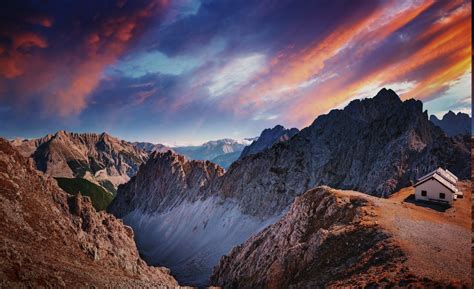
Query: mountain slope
pixel 267 138
pixel 168 203
pixel 332 238
pixel 99 196
pixel 453 124
pixel 374 145
pixel 102 159
pixel 51 239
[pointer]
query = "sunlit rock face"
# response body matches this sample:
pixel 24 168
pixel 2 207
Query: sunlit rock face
pixel 100 158
pixel 51 239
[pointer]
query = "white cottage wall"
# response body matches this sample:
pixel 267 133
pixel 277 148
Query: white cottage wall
pixel 433 188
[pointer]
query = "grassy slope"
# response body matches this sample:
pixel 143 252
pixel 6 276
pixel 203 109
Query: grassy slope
pixel 99 196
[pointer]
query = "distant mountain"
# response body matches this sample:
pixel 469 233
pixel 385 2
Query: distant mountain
pixel 375 146
pixel 453 124
pixel 267 138
pixel 50 239
pixel 150 147
pixel 227 159
pixel 224 151
pixel 99 158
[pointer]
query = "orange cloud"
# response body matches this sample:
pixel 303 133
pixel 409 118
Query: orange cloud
pixel 295 70
pixel 447 44
pixel 66 78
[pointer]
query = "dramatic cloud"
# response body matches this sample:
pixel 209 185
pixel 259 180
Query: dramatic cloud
pixel 195 70
pixel 56 52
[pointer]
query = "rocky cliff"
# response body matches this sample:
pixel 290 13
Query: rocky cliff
pixel 100 158
pixel 51 239
pixel 267 138
pixel 332 238
pixel 453 124
pixel 168 203
pixel 374 145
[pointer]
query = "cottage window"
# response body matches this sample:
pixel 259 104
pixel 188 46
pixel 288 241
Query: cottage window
pixel 442 195
pixel 423 193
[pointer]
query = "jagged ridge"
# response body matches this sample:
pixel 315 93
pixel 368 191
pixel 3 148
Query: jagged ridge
pixel 49 238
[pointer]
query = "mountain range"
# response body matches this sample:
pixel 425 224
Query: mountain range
pixel 100 158
pixel 453 124
pixel 178 208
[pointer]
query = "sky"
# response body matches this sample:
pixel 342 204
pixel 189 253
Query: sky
pixel 184 72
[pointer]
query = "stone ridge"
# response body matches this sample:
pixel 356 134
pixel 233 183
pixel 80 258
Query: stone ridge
pixel 375 146
pixel 453 124
pixel 52 239
pixel 165 180
pixel 100 158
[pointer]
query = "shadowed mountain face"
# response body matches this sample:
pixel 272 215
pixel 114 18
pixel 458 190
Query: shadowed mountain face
pixel 51 239
pixel 267 138
pixel 453 124
pixel 101 159
pixel 375 146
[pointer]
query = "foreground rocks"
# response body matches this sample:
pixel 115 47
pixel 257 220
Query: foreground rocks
pixel 333 238
pixel 49 238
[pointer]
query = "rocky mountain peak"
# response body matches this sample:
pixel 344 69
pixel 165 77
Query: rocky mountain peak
pixel 267 138
pixel 166 179
pixel 453 124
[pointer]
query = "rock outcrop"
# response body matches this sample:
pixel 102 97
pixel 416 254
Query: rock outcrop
pixel 100 158
pixel 453 124
pixel 267 138
pixel 337 239
pixel 51 239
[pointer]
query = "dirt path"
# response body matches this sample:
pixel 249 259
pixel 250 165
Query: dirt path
pixel 435 242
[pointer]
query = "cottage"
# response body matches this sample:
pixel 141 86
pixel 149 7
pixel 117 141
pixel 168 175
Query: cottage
pixel 438 186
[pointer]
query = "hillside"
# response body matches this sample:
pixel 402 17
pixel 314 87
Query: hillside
pixel 51 239
pixel 99 196
pixel 99 158
pixel 332 238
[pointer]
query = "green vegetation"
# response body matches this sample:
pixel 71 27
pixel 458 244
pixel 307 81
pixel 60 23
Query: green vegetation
pixel 99 196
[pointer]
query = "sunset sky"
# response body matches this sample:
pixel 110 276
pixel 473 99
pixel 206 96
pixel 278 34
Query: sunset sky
pixel 184 72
